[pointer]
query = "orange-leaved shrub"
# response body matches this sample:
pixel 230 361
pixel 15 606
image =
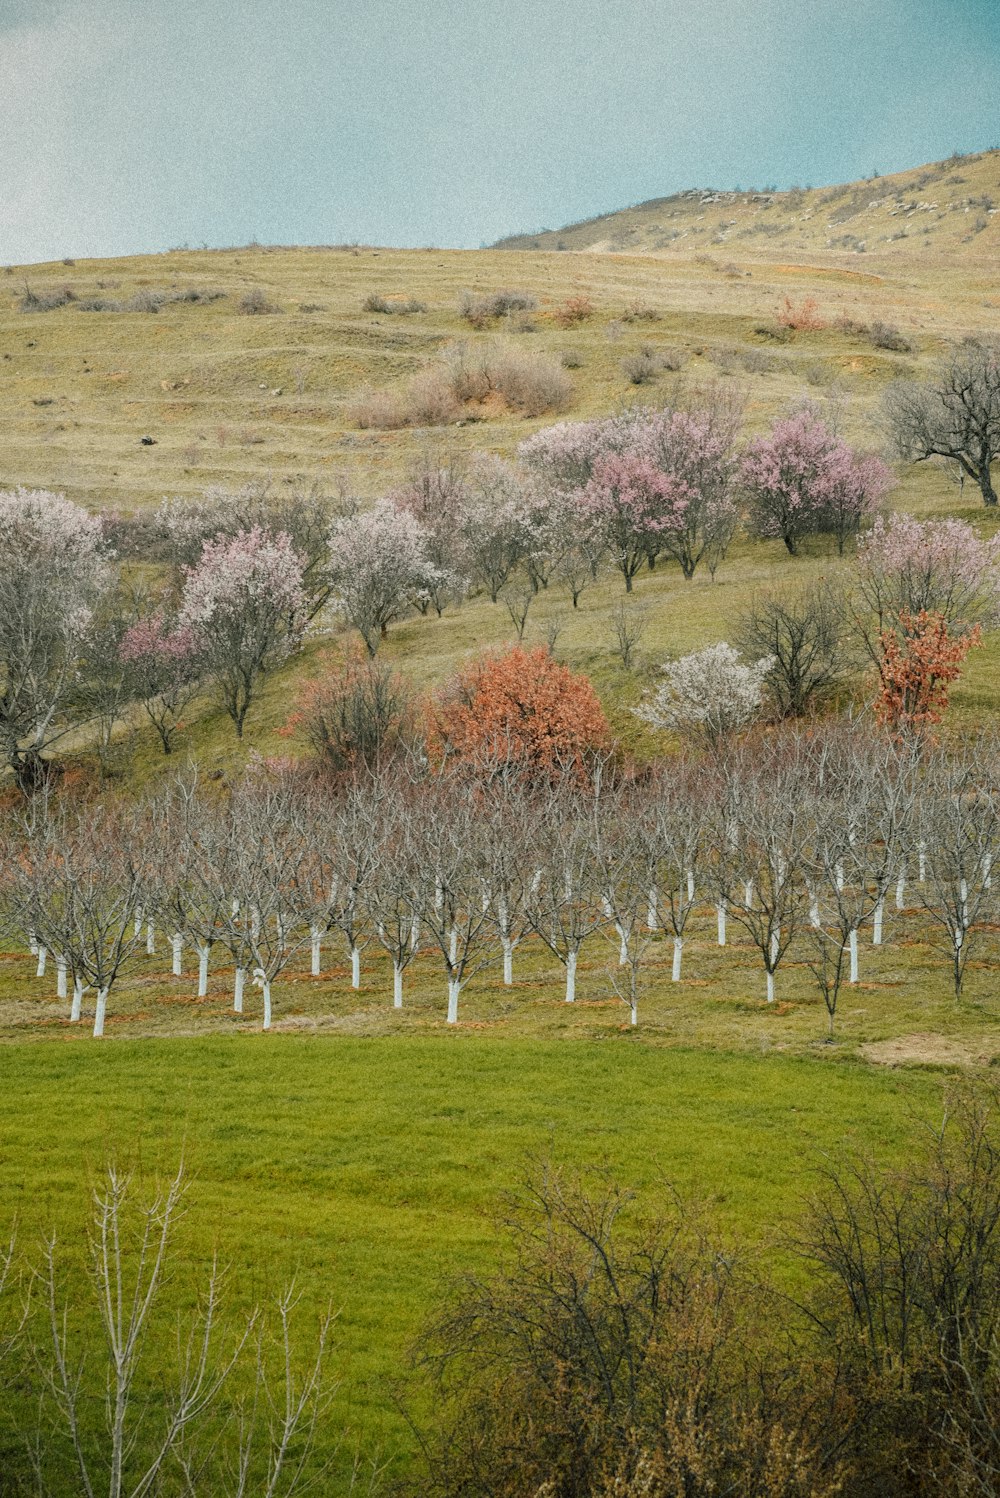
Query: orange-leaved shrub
pixel 522 712
pixel 919 662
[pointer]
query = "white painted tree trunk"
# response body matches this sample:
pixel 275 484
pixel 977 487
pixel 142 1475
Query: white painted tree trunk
pixel 770 988
pixel 901 889
pixel 397 986
pixel 267 1004
pixel 77 1005
pixel 634 1010
pixel 622 945
pixel 675 975
pixel 814 918
pixel 239 983
pixel 748 892
pixel 987 871
pixel 150 939
pixel 415 934
pixel 921 862
pixel 32 944
pixel 42 955
pixel 137 922
pixel 690 879
pixel 203 951
pixel 453 946
pixel 453 991
pixel 100 1011
pixel 775 943
pixel 177 948
pixel 254 922
pixel 877 922
pixel 317 938
pixel 508 962
pixel 61 978
pixel 838 877
pixel 652 919
pixel 720 923
pixel 852 943
pixel 570 977
pixel 963 895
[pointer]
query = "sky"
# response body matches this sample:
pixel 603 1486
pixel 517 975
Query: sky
pixel 141 125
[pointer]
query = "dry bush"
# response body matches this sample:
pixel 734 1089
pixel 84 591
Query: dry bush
pixel 640 312
pixel 46 301
pixel 571 358
pixel 574 310
pixel 482 308
pixel 640 368
pixel 887 336
pixel 528 382
pixel 802 317
pixel 775 331
pixel 389 305
pixel 254 303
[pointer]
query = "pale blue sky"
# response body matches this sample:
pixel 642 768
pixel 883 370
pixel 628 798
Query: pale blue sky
pixel 130 125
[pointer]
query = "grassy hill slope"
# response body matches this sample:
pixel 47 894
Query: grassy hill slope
pixel 948 206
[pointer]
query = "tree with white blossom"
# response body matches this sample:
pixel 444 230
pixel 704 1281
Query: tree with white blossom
pixel 244 604
pixel 708 695
pixel 54 568
pixel 379 568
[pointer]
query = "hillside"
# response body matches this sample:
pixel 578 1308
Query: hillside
pixel 944 207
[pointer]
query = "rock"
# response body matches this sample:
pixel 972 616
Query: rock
pixel 147 441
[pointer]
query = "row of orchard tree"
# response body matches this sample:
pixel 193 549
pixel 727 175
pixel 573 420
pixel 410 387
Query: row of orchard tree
pixel 798 840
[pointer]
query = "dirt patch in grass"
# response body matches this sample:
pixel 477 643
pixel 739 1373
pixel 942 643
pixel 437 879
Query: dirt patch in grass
pixel 926 1049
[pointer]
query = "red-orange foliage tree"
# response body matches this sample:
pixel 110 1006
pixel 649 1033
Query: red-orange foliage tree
pixel 519 711
pixel 919 661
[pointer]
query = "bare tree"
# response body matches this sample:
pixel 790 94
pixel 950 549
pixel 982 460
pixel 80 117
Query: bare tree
pixel 562 901
pixel 231 1417
pixel 805 635
pixel 956 416
pixel 628 624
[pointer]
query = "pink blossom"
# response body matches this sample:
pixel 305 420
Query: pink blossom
pixel 909 566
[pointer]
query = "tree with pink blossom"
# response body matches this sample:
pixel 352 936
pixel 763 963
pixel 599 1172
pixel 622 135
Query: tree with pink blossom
pixel 379 568
pixel 245 607
pixel 496 525
pixel 631 500
pixel 694 450
pixel 54 569
pixel 907 568
pixel 802 479
pixel 164 670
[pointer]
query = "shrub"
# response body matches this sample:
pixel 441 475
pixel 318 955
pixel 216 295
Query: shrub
pixel 640 312
pixel 46 301
pixel 775 331
pixel 571 358
pixel 479 309
pixel 519 712
pixel 402 306
pixel 528 382
pixel 575 309
pixel 640 368
pixel 919 661
pixel 254 303
pixel 357 715
pixel 887 336
pixel 803 318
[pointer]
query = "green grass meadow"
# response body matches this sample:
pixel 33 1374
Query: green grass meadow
pixel 370 1168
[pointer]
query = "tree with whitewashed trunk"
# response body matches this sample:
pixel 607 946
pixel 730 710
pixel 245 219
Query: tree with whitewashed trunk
pixel 624 857
pixel 353 847
pixel 270 893
pixel 456 895
pixel 709 696
pixel 773 827
pixel 219 874
pixel 93 860
pixel 677 835
pixel 508 826
pixel 55 570
pixel 394 888
pixel 39 893
pixel 960 830
pixel 244 604
pixel 562 902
